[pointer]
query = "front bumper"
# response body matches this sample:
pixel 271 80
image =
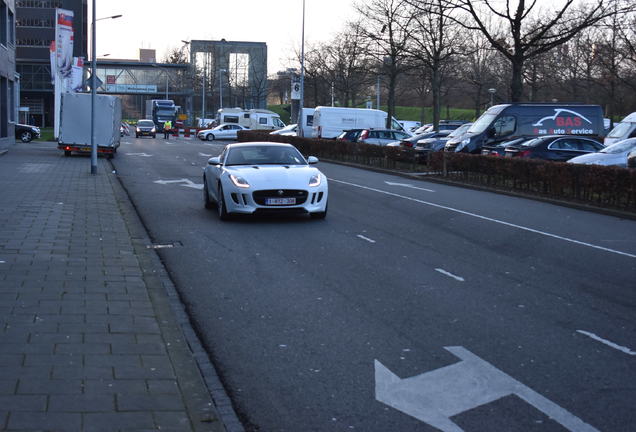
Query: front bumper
pixel 248 201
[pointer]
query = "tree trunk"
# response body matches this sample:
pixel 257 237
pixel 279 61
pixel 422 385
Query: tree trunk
pixel 391 98
pixel 435 84
pixel 516 84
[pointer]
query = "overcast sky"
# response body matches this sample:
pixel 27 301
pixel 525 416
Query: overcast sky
pixel 162 24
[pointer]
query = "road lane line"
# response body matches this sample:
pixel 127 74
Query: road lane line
pixel 449 274
pixel 608 343
pixel 532 230
pixel 365 238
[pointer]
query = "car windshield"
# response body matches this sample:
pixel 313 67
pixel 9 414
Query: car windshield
pixel 620 130
pixel 145 123
pixel 621 147
pixel 264 155
pixel 460 130
pixel 482 123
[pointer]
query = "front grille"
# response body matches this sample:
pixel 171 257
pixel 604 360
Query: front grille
pixel 262 195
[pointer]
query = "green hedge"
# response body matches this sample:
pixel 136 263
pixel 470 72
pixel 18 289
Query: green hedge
pixel 591 184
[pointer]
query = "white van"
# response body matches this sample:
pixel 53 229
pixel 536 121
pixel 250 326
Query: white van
pixel 308 122
pixel 252 118
pixel 329 122
pixel 623 130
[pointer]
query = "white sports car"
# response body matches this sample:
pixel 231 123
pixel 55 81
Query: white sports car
pixel 261 177
pixel 222 131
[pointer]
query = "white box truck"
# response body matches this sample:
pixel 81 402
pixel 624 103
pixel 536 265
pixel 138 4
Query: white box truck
pixel 75 124
pixel 252 118
pixel 329 122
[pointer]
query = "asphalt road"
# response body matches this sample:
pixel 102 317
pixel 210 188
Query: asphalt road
pixel 316 325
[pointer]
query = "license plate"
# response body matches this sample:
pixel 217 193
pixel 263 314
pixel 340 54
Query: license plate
pixel 86 149
pixel 280 201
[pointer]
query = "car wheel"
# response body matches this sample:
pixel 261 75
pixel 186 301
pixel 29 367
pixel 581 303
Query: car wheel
pixel 220 204
pixel 154 136
pixel 320 215
pixel 206 195
pixel 210 137
pixel 26 137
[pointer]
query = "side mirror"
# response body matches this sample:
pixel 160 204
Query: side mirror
pixel 214 161
pixel 312 160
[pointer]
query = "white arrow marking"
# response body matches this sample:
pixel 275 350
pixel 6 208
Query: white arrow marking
pixel 436 396
pixel 139 154
pixel 188 183
pixel 366 238
pixel 206 155
pixel 608 343
pixel 408 186
pixel 449 274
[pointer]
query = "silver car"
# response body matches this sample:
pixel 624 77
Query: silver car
pixel 381 136
pixel 615 154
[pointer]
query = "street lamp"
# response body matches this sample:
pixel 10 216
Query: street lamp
pixel 302 78
pixel 93 89
pixel 221 72
pixel 492 92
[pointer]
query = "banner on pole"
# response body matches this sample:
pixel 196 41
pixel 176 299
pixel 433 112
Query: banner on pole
pixel 64 42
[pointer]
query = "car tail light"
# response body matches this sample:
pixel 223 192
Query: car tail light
pixel 67 148
pixel 524 153
pixel 364 135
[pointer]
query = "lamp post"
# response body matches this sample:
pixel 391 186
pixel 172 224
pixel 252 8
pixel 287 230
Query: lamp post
pixel 492 92
pixel 93 89
pixel 302 78
pixel 221 72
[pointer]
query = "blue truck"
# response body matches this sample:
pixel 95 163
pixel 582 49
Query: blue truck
pixel 160 111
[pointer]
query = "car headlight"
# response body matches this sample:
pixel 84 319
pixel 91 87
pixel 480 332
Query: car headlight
pixel 239 181
pixel 153 130
pixel 314 180
pixel 138 130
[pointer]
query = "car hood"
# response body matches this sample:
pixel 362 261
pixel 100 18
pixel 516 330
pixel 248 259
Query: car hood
pixel 275 176
pixel 601 159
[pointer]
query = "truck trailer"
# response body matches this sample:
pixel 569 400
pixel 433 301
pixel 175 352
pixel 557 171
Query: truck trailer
pixel 75 124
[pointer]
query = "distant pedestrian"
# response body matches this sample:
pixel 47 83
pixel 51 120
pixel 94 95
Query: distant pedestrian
pixel 167 126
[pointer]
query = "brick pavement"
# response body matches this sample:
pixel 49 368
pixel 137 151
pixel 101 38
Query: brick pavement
pixel 86 344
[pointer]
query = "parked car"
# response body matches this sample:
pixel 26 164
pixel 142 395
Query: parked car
pixel 631 159
pixel 350 135
pixel 225 131
pixel 26 133
pixel 381 137
pixel 410 125
pixel 554 147
pixel 443 125
pixel 500 149
pixel 437 144
pixel 615 154
pixel 289 130
pixel 145 128
pixel 260 177
pixel 411 142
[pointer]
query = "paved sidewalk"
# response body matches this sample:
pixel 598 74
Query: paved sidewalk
pixel 87 343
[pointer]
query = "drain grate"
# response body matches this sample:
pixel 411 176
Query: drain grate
pixel 165 245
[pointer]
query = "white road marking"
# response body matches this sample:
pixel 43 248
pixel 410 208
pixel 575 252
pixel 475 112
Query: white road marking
pixel 188 183
pixel 138 154
pixel 365 238
pixel 532 230
pixel 410 186
pixel 444 272
pixel 608 343
pixel 206 155
pixel 436 396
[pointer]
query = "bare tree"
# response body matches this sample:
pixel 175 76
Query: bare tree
pixel 532 31
pixel 387 27
pixel 435 40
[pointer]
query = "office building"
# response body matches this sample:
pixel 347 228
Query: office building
pixel 8 78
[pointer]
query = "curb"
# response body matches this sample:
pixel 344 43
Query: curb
pixel 421 177
pixel 208 405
